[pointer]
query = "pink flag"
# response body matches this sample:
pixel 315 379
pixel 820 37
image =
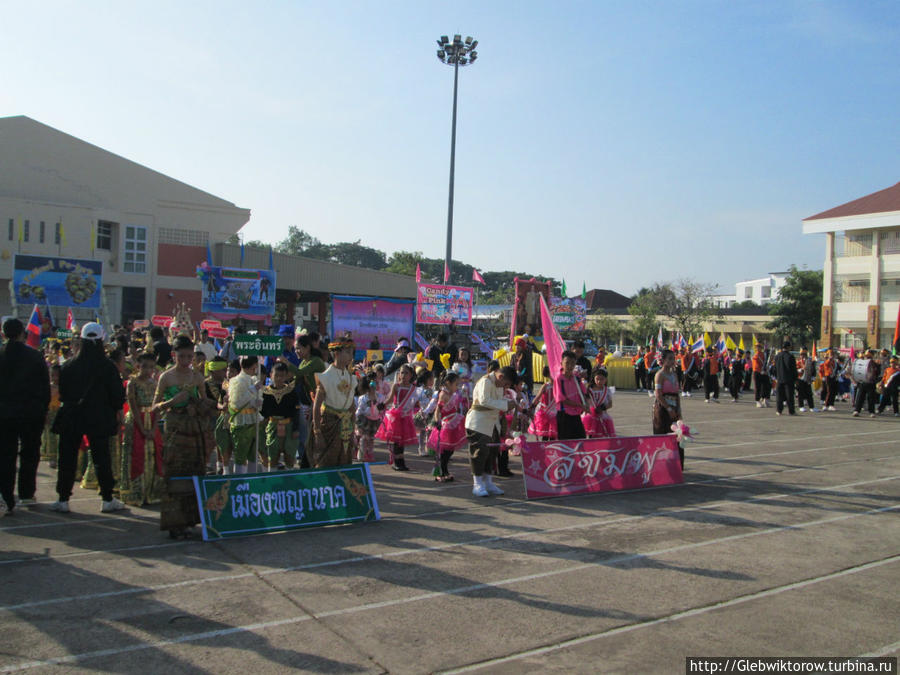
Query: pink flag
pixel 477 277
pixel 70 320
pixel 552 340
pixel 418 274
pixel 446 272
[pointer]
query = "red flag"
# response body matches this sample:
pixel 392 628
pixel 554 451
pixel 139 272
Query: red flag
pixel 446 272
pixel 418 274
pixel 477 277
pixel 552 340
pixel 70 320
pixel 896 345
pixel 34 329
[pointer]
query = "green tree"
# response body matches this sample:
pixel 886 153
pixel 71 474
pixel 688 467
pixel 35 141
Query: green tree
pixel 644 323
pixel 688 303
pixel 798 310
pixel 605 327
pixel 297 242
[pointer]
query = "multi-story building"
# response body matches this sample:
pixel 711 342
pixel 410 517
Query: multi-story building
pixel 861 281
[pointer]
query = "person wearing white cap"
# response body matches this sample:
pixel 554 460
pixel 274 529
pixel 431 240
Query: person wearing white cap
pixel 92 396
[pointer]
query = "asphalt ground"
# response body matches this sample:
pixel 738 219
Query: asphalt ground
pixel 784 540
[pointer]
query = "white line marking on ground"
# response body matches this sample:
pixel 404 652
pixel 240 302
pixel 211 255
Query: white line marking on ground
pixel 73 658
pixel 883 651
pixel 600 522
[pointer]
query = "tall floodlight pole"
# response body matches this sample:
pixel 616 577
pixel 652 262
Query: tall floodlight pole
pixel 457 53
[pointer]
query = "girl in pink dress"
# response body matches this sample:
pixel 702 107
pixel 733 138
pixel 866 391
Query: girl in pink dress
pixel 450 413
pixel 597 422
pixel 544 423
pixel 398 428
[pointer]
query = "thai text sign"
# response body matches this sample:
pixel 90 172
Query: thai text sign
pixel 232 292
pixel 58 282
pixel 235 506
pixel 555 468
pixel 442 304
pixel 568 314
pixel 368 318
pixel 258 345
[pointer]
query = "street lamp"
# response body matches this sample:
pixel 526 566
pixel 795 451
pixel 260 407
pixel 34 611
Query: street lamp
pixel 457 53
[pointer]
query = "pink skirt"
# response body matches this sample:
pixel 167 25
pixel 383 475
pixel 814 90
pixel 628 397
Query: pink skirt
pixel 398 428
pixel 598 427
pixel 448 439
pixel 543 425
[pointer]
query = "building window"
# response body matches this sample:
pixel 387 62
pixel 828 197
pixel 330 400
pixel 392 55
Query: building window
pixel 104 235
pixel 27 230
pixel 748 292
pixel 766 291
pixel 12 228
pixel 42 232
pixel 57 236
pixel 890 243
pixel 135 249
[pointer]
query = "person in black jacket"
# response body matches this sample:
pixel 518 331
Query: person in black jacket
pixel 786 375
pixel 91 389
pixel 24 399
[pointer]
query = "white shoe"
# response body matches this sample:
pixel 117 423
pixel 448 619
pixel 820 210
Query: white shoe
pixel 803 409
pixel 871 414
pixel 479 490
pixel 689 394
pixel 490 487
pixel 778 414
pixel 759 404
pixel 62 507
pixel 706 400
pixel 650 394
pixel 112 505
pixel 832 408
pixel 28 502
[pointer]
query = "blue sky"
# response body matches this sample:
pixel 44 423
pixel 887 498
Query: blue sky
pixel 616 143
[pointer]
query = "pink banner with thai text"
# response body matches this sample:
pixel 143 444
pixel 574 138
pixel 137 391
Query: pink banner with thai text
pixel 437 304
pixel 556 468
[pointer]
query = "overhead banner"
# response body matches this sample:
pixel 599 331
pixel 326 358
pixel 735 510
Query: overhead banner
pixel 556 468
pixel 230 292
pixel 58 282
pixel 369 318
pixel 240 505
pixel 568 314
pixel 437 304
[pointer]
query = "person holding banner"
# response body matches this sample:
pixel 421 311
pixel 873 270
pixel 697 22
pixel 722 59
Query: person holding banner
pixel 483 425
pixel 568 390
pixel 667 402
pixel 280 407
pixel 181 395
pixel 331 443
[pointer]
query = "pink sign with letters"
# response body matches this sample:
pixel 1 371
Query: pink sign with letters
pixel 556 468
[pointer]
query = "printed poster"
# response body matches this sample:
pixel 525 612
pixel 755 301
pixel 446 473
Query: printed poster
pixel 436 304
pixel 230 292
pixel 368 318
pixel 57 281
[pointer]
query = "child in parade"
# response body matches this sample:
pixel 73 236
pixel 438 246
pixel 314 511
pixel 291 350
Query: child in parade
pixel 597 421
pixel 450 434
pixel 427 396
pixel 570 396
pixel 543 424
pixel 512 423
pixel 890 380
pixel 829 372
pixel 244 401
pixel 280 406
pixel 737 376
pixel 398 427
pixel 382 386
pixel 688 373
pixel 141 480
pixel 710 368
pixel 369 412
pixel 463 368
pixel 49 440
pixel 216 389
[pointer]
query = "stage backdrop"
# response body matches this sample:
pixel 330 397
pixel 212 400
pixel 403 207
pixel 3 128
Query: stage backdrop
pixel 556 468
pixel 568 314
pixel 230 292
pixel 58 282
pixel 367 318
pixel 442 304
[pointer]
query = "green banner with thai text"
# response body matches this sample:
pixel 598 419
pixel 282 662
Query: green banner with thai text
pixel 257 503
pixel 258 345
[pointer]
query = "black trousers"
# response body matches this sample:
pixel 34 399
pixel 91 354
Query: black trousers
pixel 889 397
pixel 762 386
pixel 638 379
pixel 20 439
pixel 830 385
pixel 68 461
pixel 865 393
pixel 805 394
pixel 735 385
pixel 785 394
pixel 711 386
pixel 569 427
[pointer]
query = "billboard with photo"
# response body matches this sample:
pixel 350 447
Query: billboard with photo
pixel 230 292
pixel 57 281
pixel 438 304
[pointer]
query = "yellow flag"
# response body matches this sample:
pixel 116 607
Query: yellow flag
pixel 93 238
pixel 62 233
pixel 445 361
pixel 755 341
pixel 21 231
pixel 729 343
pixel 707 341
pixel 741 344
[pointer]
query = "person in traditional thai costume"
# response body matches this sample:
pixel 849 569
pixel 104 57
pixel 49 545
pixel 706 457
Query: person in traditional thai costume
pixel 483 425
pixel 424 416
pixel 49 440
pixel 450 433
pixel 244 402
pixel 280 407
pixel 181 397
pixel 369 411
pixel 218 433
pixel 398 428
pixel 463 368
pixel 667 401
pixel 141 473
pixel 331 443
pixel 597 421
pixel 311 364
pixel 543 424
pixel 568 389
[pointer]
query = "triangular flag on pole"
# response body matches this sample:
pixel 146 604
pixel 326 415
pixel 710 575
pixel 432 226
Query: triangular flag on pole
pixel 418 273
pixel 446 272
pixel 93 238
pixel 896 344
pixel 476 276
pixel 62 233
pixel 564 292
pixel 70 320
pixel 741 344
pixel 271 260
pixel 583 291
pixel 707 341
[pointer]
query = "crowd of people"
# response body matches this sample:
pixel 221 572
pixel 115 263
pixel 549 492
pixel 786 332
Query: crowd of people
pixel 133 415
